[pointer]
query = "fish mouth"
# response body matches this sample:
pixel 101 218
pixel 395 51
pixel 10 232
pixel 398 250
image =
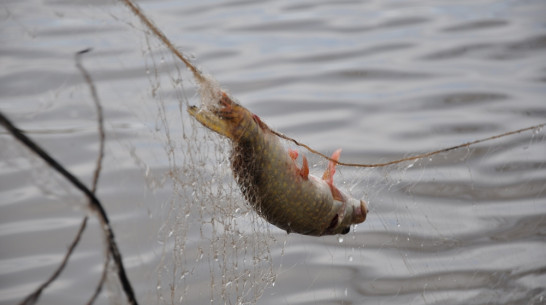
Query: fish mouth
pixel 212 120
pixel 192 110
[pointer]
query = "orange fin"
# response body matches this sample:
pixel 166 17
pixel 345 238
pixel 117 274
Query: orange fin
pixel 304 171
pixel 293 154
pixel 336 193
pixel 331 170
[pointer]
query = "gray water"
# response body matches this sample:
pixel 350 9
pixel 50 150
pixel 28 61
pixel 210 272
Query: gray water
pixel 380 79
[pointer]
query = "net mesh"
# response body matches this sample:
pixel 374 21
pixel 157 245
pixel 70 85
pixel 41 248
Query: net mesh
pixel 213 243
pixel 209 244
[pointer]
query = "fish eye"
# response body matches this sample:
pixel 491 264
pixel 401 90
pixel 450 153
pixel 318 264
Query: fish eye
pixel 346 230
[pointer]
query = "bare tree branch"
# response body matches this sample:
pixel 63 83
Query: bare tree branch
pixel 101 281
pixel 100 117
pixel 94 203
pixel 100 121
pixel 33 297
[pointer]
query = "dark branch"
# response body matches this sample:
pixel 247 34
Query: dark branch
pixel 33 297
pixel 100 117
pixel 98 167
pixel 94 202
pixel 101 281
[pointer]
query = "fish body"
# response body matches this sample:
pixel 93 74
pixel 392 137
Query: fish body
pixel 285 194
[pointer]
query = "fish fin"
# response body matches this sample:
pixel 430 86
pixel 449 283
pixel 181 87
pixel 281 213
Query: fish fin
pixel 331 169
pixel 293 154
pixel 336 193
pixel 304 171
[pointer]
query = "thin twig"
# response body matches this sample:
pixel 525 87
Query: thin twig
pixel 420 156
pixel 98 289
pixel 33 297
pixel 95 204
pixel 100 121
pixel 100 117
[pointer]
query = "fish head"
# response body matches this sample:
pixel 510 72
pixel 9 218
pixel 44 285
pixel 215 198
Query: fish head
pixel 225 117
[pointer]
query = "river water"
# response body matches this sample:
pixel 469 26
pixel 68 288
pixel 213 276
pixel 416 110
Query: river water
pixel 380 79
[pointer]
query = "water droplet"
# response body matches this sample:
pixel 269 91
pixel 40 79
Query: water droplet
pixel 350 258
pixel 340 239
pixel 410 166
pixel 346 292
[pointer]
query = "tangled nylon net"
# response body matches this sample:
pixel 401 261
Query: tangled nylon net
pixel 213 243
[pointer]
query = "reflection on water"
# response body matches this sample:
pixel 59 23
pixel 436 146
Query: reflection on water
pixel 381 79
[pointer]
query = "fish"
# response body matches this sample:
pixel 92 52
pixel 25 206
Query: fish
pixel 268 174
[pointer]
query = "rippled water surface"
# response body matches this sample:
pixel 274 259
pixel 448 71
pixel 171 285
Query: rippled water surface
pixel 380 79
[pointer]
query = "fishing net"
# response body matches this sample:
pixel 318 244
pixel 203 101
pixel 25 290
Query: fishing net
pixel 195 238
pixel 213 245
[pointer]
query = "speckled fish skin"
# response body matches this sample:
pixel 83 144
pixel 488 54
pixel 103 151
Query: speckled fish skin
pixel 272 182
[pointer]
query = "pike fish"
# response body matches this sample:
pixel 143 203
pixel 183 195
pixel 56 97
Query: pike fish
pixel 282 192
